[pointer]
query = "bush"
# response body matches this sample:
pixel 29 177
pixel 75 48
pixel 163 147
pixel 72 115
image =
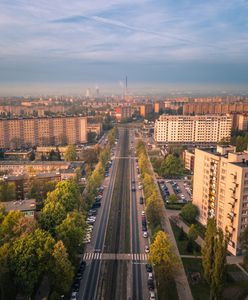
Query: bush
pixel 189 213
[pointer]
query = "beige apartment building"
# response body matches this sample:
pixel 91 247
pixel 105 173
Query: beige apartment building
pixel 203 130
pixel 221 190
pixel 46 131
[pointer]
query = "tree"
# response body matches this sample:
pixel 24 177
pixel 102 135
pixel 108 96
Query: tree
pixel 5 276
pixel 71 153
pixel 193 233
pixel 7 191
pixel 39 189
pixel 172 198
pixel 91 137
pixel 171 166
pixel 52 214
pixel 30 259
pixel 162 255
pixel 189 212
pixel 71 232
pixel 7 228
pixel 154 211
pixel 214 258
pixel 244 244
pixel 208 250
pixel 68 194
pixel 61 271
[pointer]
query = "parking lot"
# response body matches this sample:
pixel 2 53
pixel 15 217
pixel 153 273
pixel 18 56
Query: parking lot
pixel 178 187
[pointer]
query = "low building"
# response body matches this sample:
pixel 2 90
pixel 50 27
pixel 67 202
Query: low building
pixel 27 207
pixel 18 155
pixel 97 128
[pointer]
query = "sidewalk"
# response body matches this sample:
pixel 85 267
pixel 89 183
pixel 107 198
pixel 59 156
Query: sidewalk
pixel 181 280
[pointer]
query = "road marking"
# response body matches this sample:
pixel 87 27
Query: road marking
pixel 115 256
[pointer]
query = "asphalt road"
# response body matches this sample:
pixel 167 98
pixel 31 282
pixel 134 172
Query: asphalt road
pixel 90 281
pixel 131 278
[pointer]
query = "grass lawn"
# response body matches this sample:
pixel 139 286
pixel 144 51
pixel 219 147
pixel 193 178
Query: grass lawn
pixel 200 290
pixel 182 244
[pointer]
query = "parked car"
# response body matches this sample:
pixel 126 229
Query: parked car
pixel 74 295
pixel 147 249
pixel 148 268
pixel 141 200
pixel 152 295
pixel 150 284
pixel 145 234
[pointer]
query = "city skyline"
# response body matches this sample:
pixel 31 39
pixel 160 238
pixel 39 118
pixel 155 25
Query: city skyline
pixel 156 43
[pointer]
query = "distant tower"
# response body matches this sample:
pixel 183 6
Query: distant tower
pixel 88 93
pixel 126 91
pixel 97 91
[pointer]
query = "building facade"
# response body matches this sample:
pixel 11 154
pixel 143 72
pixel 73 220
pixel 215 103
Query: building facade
pixel 192 129
pixel 189 160
pixel 123 112
pixel 22 132
pixel 221 190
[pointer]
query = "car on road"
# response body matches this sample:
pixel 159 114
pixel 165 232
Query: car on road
pixel 152 295
pixel 148 268
pixel 145 234
pixel 150 284
pixel 147 249
pixel 96 205
pixel 74 295
pixel 144 228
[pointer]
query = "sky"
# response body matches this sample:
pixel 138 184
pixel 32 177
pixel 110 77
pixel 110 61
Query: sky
pixel 162 43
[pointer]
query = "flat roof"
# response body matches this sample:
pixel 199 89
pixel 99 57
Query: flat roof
pixel 21 205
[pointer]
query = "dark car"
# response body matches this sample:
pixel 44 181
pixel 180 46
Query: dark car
pixel 144 228
pixel 96 205
pixel 133 189
pixel 150 284
pixel 148 268
pixel 141 200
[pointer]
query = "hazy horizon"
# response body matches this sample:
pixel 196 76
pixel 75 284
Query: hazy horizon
pixel 180 43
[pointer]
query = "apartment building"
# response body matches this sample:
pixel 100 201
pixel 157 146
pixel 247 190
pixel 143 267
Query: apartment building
pixel 189 160
pixel 146 109
pixel 21 132
pixel 202 130
pixel 123 112
pixel 221 190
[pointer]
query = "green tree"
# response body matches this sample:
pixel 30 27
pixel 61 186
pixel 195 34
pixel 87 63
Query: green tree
pixel 172 198
pixel 52 214
pixel 7 191
pixel 39 189
pixel 61 271
pixel 71 153
pixel 193 233
pixel 162 255
pixel 214 258
pixel 71 232
pixel 5 276
pixel 154 211
pixel 190 212
pixel 30 259
pixel 7 228
pixel 244 244
pixel 171 166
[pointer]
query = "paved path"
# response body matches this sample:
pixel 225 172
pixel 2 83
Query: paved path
pixel 181 280
pixel 174 214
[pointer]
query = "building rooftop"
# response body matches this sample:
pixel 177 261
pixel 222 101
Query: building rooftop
pixel 21 205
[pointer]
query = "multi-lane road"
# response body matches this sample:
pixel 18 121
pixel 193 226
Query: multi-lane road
pixel 116 256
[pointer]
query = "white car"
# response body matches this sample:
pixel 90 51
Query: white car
pixel 74 295
pixel 152 295
pixel 142 213
pixel 140 187
pixel 145 234
pixel 150 276
pixel 147 250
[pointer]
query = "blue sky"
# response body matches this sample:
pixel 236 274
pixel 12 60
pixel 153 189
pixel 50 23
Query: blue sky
pixel 184 42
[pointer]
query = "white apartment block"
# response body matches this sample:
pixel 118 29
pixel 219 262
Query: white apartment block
pixel 192 129
pixel 221 190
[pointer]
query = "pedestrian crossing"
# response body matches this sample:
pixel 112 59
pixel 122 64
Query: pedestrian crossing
pixel 115 256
